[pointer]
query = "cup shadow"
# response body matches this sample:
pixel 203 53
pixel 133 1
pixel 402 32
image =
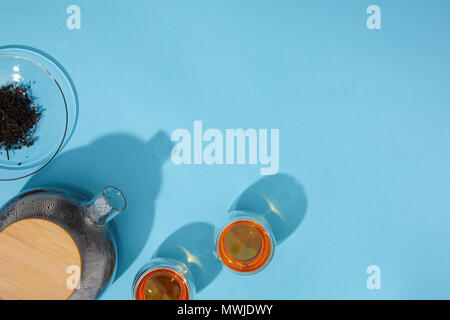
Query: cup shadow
pixel 193 245
pixel 280 199
pixel 123 161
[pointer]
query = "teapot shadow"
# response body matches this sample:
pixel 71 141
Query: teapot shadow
pixel 123 161
pixel 280 199
pixel 193 245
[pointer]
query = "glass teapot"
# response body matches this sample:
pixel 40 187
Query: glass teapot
pixel 44 228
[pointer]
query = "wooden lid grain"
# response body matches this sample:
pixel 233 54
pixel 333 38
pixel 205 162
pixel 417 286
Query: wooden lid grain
pixel 39 260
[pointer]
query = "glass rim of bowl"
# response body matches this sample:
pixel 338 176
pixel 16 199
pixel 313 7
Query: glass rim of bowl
pixel 33 56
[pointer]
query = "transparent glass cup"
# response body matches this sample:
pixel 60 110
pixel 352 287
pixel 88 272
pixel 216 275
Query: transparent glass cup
pixel 245 244
pixel 163 279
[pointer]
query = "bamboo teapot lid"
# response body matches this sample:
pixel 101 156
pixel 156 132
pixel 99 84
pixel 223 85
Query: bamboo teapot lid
pixel 39 260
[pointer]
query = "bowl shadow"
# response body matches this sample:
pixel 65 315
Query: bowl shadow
pixel 121 160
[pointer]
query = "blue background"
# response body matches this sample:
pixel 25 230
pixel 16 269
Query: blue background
pixel 364 129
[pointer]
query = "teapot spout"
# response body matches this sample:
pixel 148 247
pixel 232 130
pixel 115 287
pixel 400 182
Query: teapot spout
pixel 104 207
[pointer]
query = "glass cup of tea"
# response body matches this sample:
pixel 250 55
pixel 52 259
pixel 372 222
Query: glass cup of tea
pixel 163 279
pixel 245 244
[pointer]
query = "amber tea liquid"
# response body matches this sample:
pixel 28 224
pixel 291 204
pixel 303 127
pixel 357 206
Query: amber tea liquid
pixel 244 246
pixel 162 284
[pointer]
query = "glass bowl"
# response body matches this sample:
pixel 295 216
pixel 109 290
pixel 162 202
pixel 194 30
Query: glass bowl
pixel 49 92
